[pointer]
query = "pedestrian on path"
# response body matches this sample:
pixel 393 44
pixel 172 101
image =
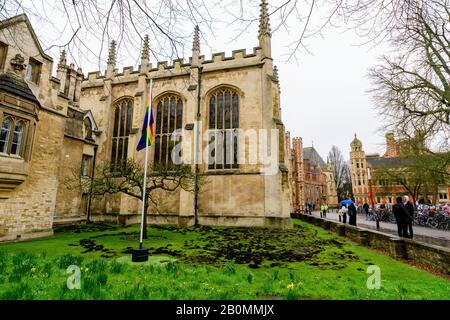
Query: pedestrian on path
pixel 352 214
pixel 410 208
pixel 366 209
pixel 401 217
pixel 343 213
pixel 325 209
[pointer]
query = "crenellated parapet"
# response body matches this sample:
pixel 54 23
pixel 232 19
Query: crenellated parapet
pixel 179 67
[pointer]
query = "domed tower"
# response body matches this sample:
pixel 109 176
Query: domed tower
pixel 358 166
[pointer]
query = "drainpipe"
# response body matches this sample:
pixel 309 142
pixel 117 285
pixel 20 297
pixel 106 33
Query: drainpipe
pixel 197 146
pixel 92 183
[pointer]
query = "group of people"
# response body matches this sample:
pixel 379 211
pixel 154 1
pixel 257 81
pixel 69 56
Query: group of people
pixel 323 210
pixel 403 211
pixel 309 207
pixel 350 210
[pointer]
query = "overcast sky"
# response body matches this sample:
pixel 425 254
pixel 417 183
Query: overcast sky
pixel 323 95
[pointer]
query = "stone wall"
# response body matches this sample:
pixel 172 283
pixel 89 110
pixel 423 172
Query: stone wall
pixel 239 196
pixel 426 255
pixel 69 198
pixel 28 211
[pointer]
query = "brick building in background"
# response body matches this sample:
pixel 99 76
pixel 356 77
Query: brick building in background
pixel 392 158
pixel 312 180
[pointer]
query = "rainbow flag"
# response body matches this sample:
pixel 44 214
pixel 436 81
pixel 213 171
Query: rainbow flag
pixel 148 128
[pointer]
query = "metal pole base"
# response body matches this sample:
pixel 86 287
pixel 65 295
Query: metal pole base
pixel 139 254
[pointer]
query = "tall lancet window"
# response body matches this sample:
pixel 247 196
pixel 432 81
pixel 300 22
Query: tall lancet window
pixel 123 119
pixel 169 117
pixel 223 124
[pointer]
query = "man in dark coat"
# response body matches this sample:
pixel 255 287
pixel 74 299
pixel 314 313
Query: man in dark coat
pixel 366 209
pixel 352 214
pixel 410 208
pixel 401 217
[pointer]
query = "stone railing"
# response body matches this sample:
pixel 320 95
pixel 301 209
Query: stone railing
pixel 429 256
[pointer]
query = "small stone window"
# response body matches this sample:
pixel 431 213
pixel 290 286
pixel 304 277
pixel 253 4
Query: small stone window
pixel 33 70
pixel 3 54
pixel 12 136
pixel 86 165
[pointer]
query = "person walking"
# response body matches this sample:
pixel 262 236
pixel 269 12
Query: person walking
pixel 322 209
pixel 401 217
pixel 410 208
pixel 325 209
pixel 343 212
pixel 352 214
pixel 366 209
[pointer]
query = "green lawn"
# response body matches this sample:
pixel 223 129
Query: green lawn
pixel 207 263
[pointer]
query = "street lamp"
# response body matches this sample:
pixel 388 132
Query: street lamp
pixel 369 178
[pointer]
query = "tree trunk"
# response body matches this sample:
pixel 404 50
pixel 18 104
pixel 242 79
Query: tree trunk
pixel 144 234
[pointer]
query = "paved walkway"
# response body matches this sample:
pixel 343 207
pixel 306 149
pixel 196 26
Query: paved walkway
pixel 421 234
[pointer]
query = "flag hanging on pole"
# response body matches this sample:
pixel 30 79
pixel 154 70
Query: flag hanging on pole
pixel 147 139
pixel 148 128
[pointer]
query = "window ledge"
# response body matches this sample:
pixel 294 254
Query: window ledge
pixel 13 172
pixel 222 171
pixel 11 156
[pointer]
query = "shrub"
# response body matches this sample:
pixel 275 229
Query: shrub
pixel 67 260
pixel 117 267
pixel 23 262
pixel 275 275
pixel 229 269
pixel 172 267
pixel 21 291
pixel 97 265
pixel 250 278
pixel 291 277
pixel 4 257
pixel 90 286
pixel 291 295
pixel 101 278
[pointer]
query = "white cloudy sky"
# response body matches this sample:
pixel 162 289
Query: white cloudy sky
pixel 323 93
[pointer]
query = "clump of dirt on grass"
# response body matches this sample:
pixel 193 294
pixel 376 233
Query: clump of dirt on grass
pixel 90 245
pixel 255 247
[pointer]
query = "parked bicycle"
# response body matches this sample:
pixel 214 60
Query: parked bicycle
pixel 425 217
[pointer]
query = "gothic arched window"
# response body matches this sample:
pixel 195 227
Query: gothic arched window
pixel 87 129
pixel 123 119
pixel 4 134
pixel 169 117
pixel 223 124
pixel 16 143
pixel 12 136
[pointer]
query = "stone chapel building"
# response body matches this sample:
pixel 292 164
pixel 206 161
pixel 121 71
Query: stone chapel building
pixel 53 124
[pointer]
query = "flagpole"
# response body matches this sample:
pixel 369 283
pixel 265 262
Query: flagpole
pixel 144 189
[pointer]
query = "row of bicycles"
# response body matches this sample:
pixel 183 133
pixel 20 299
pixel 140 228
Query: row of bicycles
pixel 436 219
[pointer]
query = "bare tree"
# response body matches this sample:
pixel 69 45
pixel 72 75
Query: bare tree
pixel 412 90
pixel 341 173
pixel 78 25
pixel 129 179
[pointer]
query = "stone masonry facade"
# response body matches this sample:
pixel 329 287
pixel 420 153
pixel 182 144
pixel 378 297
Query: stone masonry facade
pixel 54 126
